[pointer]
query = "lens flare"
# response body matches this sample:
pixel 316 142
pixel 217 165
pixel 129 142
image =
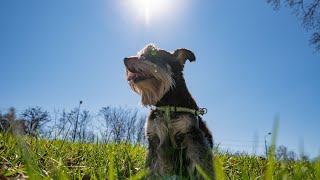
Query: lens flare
pixel 153 10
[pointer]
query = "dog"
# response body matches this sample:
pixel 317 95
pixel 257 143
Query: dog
pixel 178 139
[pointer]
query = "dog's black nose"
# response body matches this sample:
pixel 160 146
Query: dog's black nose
pixel 128 61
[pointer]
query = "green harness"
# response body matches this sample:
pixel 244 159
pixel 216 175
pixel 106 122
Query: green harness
pixel 168 110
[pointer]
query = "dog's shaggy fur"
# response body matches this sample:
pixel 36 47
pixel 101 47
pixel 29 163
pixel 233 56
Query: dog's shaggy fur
pixel 178 143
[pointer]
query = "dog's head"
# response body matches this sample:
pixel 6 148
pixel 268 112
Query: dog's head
pixel 154 71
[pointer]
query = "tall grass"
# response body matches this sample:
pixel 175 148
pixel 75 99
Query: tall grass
pixel 29 158
pixel 23 157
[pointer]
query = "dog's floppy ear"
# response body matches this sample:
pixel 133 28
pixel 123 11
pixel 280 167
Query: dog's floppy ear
pixel 183 54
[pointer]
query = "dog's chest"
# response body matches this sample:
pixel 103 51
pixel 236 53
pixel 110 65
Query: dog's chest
pixel 165 128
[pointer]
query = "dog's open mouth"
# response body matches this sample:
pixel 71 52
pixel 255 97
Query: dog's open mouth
pixel 136 77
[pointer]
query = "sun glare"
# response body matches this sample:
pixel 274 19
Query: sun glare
pixel 151 10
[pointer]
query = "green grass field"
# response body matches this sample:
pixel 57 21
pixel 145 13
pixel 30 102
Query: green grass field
pixel 23 158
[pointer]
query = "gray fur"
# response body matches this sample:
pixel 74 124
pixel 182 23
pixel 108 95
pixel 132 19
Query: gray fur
pixel 161 156
pixel 178 143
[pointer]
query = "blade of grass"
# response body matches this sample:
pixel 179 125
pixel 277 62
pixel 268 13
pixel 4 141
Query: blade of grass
pixel 138 176
pixel 111 170
pixel 271 158
pixel 218 168
pixel 201 171
pixel 317 169
pixel 32 168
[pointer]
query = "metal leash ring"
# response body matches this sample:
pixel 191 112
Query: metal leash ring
pixel 202 111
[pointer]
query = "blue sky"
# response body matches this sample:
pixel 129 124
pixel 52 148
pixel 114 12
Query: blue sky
pixel 252 62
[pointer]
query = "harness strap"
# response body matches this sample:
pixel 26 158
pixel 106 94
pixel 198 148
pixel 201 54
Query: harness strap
pixel 167 116
pixel 168 109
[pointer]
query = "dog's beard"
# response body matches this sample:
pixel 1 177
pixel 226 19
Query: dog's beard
pixel 153 88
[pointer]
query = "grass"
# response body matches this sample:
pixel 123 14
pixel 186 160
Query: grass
pixel 23 158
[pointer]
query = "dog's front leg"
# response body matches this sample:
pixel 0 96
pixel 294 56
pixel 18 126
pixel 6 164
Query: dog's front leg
pixel 151 158
pixel 199 153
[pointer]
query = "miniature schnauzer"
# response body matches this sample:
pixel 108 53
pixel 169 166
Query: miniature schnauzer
pixel 178 139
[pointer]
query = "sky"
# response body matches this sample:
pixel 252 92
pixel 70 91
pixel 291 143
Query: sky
pixel 254 64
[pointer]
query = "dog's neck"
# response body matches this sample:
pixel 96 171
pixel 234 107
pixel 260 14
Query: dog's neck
pixel 178 96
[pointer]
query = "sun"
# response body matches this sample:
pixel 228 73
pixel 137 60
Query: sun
pixel 151 10
pixel 144 6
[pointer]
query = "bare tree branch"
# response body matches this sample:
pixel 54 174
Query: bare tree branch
pixel 315 40
pixel 274 3
pixel 35 118
pixel 122 125
pixel 309 14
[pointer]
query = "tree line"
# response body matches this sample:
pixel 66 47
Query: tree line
pixel 110 124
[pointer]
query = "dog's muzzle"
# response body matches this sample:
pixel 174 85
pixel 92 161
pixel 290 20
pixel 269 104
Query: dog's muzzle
pixel 133 75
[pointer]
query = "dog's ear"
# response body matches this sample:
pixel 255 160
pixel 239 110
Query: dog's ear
pixel 183 54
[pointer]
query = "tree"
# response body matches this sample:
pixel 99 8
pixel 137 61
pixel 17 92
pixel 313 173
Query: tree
pixel 130 125
pixel 75 127
pixel 11 115
pixel 291 156
pixel 283 154
pixel 105 114
pixel 12 124
pixel 34 119
pixel 308 11
pixel 140 139
pixel 118 124
pixel 4 123
pixel 122 125
pixel 83 131
pixel 62 125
